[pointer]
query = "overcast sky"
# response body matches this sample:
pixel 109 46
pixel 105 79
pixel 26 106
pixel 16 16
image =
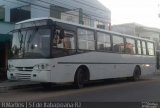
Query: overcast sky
pixel 144 12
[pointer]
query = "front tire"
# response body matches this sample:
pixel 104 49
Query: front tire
pixel 80 78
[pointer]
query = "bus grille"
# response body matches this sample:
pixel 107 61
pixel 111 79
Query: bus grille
pixel 21 76
pixel 24 68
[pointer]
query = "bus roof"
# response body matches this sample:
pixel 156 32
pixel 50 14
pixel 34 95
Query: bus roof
pixel 83 26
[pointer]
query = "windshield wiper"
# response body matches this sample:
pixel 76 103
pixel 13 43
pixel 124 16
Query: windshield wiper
pixel 24 43
pixel 31 36
pixel 20 37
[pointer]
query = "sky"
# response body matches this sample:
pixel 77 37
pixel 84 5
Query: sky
pixel 144 12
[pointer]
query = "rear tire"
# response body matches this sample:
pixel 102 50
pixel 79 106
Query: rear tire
pixel 136 74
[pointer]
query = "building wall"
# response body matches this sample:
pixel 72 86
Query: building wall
pixel 9 5
pixel 6 27
pixel 155 36
pixel 94 9
pixel 124 29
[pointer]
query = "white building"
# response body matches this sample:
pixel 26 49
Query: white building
pixel 87 12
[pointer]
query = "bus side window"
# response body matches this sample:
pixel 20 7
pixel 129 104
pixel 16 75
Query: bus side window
pixel 67 42
pixel 139 47
pixel 150 48
pixel 144 48
pixel 130 46
pixel 63 43
pixel 103 41
pixel 56 39
pixel 86 39
pixel 118 44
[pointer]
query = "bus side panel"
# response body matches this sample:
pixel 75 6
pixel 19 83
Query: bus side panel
pixel 62 73
pixel 101 71
pixel 101 66
pixel 124 70
pixel 148 69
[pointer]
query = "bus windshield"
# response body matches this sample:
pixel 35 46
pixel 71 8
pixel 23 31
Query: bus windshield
pixel 31 43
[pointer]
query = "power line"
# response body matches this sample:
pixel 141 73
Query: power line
pixel 38 6
pixel 49 8
pixel 21 4
pixel 57 2
pixel 78 1
pixel 72 6
pixel 33 4
pixel 59 10
pixel 11 2
pixel 44 7
pixel 75 7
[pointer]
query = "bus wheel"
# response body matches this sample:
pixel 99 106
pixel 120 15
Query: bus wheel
pixel 136 74
pixel 80 78
pixel 46 85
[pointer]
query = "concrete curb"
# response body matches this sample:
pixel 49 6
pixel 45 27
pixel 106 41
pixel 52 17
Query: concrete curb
pixel 5 89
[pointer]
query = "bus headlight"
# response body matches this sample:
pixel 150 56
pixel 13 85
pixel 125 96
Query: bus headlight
pixel 147 65
pixel 42 67
pixel 11 67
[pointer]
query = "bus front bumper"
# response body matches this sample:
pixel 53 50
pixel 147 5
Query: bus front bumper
pixel 37 76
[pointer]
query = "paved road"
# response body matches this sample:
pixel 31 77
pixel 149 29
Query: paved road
pixel 109 91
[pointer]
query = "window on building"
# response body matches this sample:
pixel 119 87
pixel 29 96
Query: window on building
pixel 20 14
pixel 2 13
pixel 86 20
pixel 118 44
pixel 103 42
pixel 150 48
pixel 55 11
pixel 86 40
pixel 99 24
pixel 139 47
pixel 144 48
pixel 130 46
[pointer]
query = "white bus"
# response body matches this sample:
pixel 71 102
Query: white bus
pixel 49 50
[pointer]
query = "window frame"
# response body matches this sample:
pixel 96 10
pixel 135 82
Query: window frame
pixel 145 46
pixel 138 47
pixel 134 46
pixel 153 48
pixel 104 42
pixel 111 35
pixel 66 27
pixel 123 37
pixel 77 40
